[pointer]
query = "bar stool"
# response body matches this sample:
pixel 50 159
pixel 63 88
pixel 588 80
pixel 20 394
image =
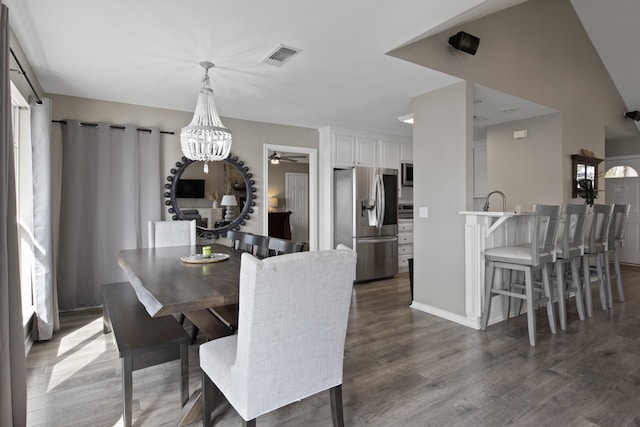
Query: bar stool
pixel 596 244
pixel 616 238
pixel 569 250
pixel 534 257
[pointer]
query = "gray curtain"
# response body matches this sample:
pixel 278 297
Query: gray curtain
pixel 111 188
pixel 13 377
pixel 44 287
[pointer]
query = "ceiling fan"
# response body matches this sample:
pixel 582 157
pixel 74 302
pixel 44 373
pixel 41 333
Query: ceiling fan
pixel 276 158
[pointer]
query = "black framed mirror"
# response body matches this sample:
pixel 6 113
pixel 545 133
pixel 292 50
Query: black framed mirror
pixel 191 194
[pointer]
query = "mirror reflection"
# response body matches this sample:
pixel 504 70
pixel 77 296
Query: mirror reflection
pixel 219 201
pixel 213 199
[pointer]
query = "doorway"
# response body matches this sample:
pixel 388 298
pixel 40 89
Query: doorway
pixel 622 191
pixel 297 196
pixel 280 201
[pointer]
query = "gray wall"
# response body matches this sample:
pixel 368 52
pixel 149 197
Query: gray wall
pixel 442 180
pixel 527 170
pixel 623 147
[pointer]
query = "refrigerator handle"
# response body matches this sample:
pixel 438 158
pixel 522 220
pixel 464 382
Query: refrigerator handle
pixel 381 200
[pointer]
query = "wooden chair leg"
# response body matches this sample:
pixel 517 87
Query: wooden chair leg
pixel 336 406
pixel 486 306
pixel 577 284
pixel 616 266
pixel 250 423
pixel 547 291
pixel 601 283
pixel 560 288
pixel 531 313
pixel 607 273
pixel 208 394
pixel 586 277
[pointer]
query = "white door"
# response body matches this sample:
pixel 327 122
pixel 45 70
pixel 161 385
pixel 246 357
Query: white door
pixel 623 191
pixel 297 194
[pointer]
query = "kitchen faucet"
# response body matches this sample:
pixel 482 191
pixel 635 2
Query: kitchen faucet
pixel 504 201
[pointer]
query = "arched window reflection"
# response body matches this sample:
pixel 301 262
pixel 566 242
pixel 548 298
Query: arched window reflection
pixel 621 172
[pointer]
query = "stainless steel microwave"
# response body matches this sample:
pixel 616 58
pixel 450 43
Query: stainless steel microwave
pixel 407 174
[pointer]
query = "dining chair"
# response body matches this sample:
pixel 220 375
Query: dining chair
pixel 256 244
pixel 235 238
pixel 290 342
pixel 535 256
pixel 616 238
pixel 596 244
pixel 569 250
pixel 171 233
pixel 279 246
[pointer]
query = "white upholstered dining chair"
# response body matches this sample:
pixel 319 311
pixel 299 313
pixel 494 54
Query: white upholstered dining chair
pixel 172 233
pixel 291 334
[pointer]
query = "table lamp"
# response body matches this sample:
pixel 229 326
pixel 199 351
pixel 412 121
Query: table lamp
pixel 273 203
pixel 229 201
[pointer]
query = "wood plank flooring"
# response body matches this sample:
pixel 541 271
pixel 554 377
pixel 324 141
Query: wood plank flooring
pixel 402 368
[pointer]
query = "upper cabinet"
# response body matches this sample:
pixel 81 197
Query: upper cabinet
pixel 390 155
pixel 355 148
pixel 350 150
pixel 406 153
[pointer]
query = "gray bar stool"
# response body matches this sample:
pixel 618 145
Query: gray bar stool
pixel 569 250
pixel 596 244
pixel 534 257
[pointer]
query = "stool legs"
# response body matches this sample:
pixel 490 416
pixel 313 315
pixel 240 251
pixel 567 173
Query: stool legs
pixel 616 266
pixel 486 306
pixel 586 275
pixel 560 288
pixel 577 287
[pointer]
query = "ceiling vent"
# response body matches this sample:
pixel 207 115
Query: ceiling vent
pixel 281 55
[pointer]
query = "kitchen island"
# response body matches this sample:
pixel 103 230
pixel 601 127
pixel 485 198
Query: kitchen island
pixel 485 230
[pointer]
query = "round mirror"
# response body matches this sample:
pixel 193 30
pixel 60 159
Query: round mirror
pixel 219 201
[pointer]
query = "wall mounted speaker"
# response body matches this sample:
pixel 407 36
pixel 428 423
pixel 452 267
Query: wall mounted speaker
pixel 464 42
pixel 633 115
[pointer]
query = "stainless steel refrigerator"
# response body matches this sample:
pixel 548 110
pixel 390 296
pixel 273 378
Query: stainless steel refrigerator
pixel 365 218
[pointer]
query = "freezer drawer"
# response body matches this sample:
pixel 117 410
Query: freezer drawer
pixel 377 258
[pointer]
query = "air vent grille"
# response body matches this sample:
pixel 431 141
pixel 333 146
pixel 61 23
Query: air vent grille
pixel 281 55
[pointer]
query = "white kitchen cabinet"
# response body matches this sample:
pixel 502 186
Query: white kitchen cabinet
pixel 406 153
pixel 390 155
pixel 405 243
pixel 350 150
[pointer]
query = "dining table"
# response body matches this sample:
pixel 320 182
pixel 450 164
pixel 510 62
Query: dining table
pixel 167 285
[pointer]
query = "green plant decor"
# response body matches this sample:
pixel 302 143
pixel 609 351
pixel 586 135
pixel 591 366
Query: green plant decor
pixel 588 193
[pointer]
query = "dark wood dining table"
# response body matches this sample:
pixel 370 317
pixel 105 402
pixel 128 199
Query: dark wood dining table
pixel 165 285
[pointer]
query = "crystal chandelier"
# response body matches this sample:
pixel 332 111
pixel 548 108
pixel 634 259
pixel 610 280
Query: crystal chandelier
pixel 205 138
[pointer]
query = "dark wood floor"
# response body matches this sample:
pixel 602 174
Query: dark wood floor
pixel 402 368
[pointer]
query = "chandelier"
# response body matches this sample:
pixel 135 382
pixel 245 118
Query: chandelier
pixel 205 138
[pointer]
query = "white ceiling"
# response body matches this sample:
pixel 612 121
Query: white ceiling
pixel 146 52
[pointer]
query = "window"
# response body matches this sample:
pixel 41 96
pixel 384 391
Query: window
pixel 22 160
pixel 621 172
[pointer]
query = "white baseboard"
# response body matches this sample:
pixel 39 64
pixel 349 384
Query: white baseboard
pixel 461 320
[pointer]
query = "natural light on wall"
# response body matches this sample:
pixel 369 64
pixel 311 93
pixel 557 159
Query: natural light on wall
pixel 621 172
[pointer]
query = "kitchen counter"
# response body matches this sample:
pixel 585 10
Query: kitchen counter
pixel 485 230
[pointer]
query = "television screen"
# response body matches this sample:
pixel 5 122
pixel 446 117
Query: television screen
pixel 190 189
